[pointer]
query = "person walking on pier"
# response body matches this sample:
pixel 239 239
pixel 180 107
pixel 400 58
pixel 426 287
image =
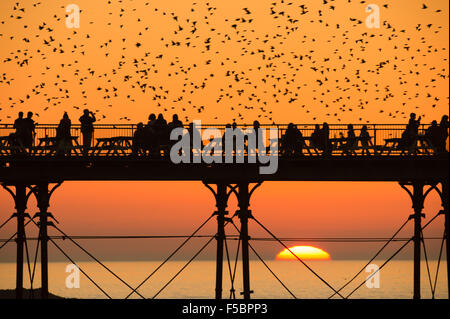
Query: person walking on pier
pixel 315 137
pixel 139 140
pixel 19 135
pixel 364 137
pixel 350 141
pixel 63 136
pixel 87 129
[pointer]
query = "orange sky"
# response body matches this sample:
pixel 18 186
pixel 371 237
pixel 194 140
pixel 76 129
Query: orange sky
pixel 262 58
pixel 268 68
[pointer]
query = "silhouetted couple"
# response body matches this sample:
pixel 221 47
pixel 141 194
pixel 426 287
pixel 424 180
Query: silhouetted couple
pixel 64 136
pixel 351 141
pixel 437 134
pixel 292 142
pixel 320 138
pixel 25 131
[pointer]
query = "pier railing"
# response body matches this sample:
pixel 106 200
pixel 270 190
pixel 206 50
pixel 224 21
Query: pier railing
pixel 379 135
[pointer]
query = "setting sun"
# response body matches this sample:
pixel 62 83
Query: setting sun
pixel 304 253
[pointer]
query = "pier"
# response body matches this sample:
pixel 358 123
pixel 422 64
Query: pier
pixel 40 170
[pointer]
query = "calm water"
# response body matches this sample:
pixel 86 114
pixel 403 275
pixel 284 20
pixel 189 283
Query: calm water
pixel 197 280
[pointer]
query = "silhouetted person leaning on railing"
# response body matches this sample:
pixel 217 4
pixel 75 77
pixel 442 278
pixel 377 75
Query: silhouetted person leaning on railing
pixel 63 136
pixel 87 129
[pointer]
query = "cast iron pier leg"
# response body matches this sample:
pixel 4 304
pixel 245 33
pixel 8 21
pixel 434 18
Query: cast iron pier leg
pixel 221 203
pixel 20 198
pixel 244 214
pixel 445 194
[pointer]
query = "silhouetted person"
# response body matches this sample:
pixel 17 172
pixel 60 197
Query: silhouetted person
pixel 315 137
pixel 20 127
pixel 152 143
pixel 443 134
pixel 433 134
pixel 325 139
pixel 151 120
pixel 255 133
pixel 351 141
pixel 413 125
pixel 87 129
pixel 224 141
pixel 176 123
pixel 292 141
pixel 161 129
pixel 139 139
pixel 364 138
pixel 63 136
pixel 195 135
pixel 237 136
pixel 29 131
pixel 409 136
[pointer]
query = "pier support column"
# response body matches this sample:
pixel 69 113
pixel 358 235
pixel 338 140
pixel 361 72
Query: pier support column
pixel 444 198
pixel 244 214
pixel 20 197
pixel 221 203
pixel 418 198
pixel 221 197
pixel 21 206
pixel 43 204
pixel 43 195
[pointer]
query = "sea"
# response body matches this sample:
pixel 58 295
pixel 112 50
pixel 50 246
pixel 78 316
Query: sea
pixel 197 279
